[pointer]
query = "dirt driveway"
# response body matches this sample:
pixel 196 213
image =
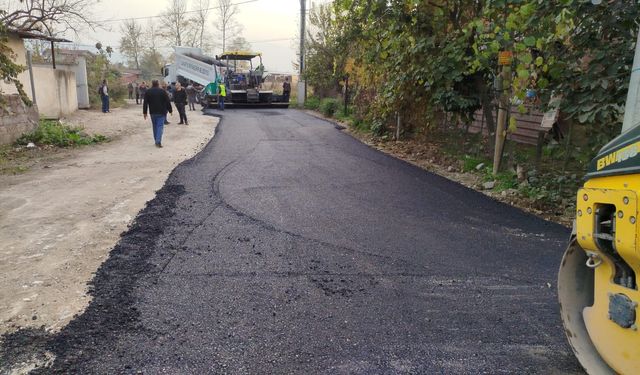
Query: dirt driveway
pixel 59 221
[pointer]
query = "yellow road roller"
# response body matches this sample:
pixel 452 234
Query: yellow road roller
pixel 600 271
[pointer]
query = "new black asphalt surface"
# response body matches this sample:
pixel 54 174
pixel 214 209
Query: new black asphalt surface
pixel 288 247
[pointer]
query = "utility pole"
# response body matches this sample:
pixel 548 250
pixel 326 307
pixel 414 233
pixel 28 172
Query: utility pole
pixel 302 86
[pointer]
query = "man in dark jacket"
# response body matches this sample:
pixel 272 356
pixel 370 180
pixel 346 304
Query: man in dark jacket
pixel 180 100
pixel 158 104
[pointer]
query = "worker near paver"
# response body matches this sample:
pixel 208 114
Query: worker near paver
pixel 222 93
pixel 180 99
pixel 103 90
pixel 156 101
pixel 286 89
pixel 191 96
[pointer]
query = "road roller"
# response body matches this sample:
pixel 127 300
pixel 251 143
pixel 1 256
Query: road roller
pixel 600 270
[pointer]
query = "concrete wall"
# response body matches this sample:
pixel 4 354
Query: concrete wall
pixel 16 119
pixel 55 89
pixel 82 86
pixel 56 92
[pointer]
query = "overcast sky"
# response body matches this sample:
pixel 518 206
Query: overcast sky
pixel 271 26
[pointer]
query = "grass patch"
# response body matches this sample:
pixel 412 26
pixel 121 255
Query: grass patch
pixel 50 132
pixel 329 106
pixel 312 102
pixel 470 163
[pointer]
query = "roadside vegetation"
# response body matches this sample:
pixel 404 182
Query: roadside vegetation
pixel 55 133
pixel 49 139
pixel 417 74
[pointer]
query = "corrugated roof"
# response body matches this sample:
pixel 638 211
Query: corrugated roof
pixel 33 35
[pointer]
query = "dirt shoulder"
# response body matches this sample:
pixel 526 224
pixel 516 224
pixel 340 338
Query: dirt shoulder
pixel 59 220
pixel 431 158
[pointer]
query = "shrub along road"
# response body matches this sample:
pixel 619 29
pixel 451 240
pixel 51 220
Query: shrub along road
pixel 286 246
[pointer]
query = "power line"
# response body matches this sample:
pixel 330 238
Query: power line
pixel 159 16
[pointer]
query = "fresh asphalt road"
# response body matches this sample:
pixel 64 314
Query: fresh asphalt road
pixel 286 246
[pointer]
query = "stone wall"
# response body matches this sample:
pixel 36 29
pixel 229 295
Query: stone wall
pixel 16 119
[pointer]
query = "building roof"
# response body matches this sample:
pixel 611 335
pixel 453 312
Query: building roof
pixel 74 52
pixel 33 35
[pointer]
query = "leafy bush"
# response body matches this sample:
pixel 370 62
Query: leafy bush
pixel 50 132
pixel 312 102
pixel 329 106
pixel 377 127
pixel 505 181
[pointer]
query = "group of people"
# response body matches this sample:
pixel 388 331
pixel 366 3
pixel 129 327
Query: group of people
pixel 139 90
pixel 156 101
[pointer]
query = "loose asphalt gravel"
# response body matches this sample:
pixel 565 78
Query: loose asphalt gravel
pixel 288 247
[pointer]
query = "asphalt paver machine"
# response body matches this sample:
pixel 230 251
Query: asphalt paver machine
pixel 244 75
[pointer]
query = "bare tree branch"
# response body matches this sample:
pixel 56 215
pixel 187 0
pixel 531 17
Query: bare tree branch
pixel 49 16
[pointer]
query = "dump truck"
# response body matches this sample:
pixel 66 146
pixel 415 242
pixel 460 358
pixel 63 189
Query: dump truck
pixel 598 276
pixel 190 64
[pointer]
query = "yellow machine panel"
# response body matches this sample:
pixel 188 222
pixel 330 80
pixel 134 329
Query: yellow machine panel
pixel 607 230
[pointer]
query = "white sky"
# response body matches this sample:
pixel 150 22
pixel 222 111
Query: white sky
pixel 271 26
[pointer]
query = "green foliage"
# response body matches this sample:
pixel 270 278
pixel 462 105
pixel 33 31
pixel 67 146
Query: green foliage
pixel 377 128
pixel 329 106
pixel 312 102
pixel 325 52
pixel 505 180
pixel 99 68
pixel 470 163
pixel 423 58
pixel 8 69
pixel 342 115
pixel 50 132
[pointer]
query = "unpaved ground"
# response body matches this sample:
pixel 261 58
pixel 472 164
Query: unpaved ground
pixel 59 220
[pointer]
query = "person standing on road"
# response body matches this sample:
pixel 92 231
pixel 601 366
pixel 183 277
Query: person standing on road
pixel 191 96
pixel 222 94
pixel 158 104
pixel 286 89
pixel 103 90
pixel 143 90
pixel 136 88
pixel 166 90
pixel 180 100
pixel 130 89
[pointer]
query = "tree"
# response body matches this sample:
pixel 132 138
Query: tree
pixel 9 70
pixel 131 41
pixel 151 36
pixel 49 16
pixel 324 58
pixel 40 16
pixel 225 23
pixel 176 29
pixel 239 43
pixel 151 64
pixel 200 23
